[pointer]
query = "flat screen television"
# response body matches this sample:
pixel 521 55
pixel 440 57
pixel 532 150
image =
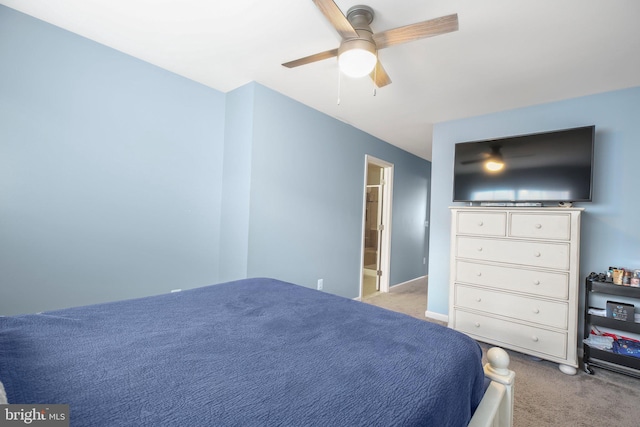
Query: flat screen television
pixel 540 168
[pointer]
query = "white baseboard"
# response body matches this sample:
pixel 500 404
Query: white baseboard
pixel 417 280
pixel 437 316
pixel 395 288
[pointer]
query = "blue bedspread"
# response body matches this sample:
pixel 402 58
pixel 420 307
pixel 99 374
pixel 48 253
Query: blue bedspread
pixel 257 352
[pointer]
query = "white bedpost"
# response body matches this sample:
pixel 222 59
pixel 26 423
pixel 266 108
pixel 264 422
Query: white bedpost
pixel 3 395
pixel 496 407
pixel 498 371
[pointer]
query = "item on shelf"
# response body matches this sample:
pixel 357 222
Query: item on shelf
pixel 600 277
pixel 626 347
pixel 600 342
pixel 596 331
pixel 618 275
pixel 620 311
pixel 611 342
pixel 609 276
pixel 597 312
pixel 601 312
pixel 635 280
pixel 626 279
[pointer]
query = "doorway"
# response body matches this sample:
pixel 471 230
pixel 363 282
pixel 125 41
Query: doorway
pixel 376 235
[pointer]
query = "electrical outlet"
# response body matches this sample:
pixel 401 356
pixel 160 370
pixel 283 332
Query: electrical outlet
pixel 320 284
pixel 424 261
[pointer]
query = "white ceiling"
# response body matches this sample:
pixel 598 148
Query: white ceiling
pixel 507 53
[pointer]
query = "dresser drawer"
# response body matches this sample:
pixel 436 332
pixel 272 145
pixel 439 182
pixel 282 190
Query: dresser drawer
pixel 536 254
pixel 482 223
pixel 513 334
pixel 548 313
pixel 542 283
pixel 540 226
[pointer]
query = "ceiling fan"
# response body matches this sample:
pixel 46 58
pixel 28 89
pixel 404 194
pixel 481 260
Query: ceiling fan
pixel 358 51
pixel 494 160
pixel 495 153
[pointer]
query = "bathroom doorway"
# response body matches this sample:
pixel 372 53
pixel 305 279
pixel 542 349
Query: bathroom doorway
pixel 376 236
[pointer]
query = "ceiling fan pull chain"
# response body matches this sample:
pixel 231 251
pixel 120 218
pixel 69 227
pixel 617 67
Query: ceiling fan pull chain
pixel 339 85
pixel 375 75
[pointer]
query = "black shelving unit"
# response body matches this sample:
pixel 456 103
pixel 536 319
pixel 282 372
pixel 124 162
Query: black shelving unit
pixel 620 363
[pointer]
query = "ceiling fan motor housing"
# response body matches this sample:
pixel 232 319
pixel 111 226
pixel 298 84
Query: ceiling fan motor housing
pixel 361 50
pixel 360 17
pixel 360 14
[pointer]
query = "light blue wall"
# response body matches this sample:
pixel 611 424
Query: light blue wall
pixel 119 179
pixel 307 189
pixel 110 172
pixel 236 185
pixel 611 223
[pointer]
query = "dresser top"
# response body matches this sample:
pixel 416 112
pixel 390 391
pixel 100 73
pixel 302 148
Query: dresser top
pixel 518 208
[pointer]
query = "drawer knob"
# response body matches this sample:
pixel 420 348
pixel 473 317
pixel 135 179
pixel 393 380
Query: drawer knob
pixel 538 226
pixel 536 282
pixel 479 273
pixel 534 338
pixel 480 249
pixel 477 324
pixel 536 310
pixel 478 299
pixel 537 254
pixel 480 223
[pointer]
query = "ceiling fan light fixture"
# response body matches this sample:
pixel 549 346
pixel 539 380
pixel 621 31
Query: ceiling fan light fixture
pixel 494 165
pixel 357 57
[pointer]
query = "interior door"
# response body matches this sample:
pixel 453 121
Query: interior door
pixel 372 269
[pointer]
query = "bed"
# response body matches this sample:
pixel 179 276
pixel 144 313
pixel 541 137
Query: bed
pixel 251 352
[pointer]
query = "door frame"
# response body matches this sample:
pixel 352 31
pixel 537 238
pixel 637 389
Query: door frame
pixel 387 203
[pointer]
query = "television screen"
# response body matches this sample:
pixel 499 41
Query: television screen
pixel 543 167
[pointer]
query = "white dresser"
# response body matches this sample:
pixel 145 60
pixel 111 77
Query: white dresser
pixel 515 279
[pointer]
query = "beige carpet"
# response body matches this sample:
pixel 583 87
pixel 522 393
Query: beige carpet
pixel 543 395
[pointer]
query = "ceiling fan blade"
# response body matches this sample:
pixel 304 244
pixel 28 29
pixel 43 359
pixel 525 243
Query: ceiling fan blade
pixel 469 162
pixel 332 12
pixel 312 58
pixel 380 76
pixel 430 28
